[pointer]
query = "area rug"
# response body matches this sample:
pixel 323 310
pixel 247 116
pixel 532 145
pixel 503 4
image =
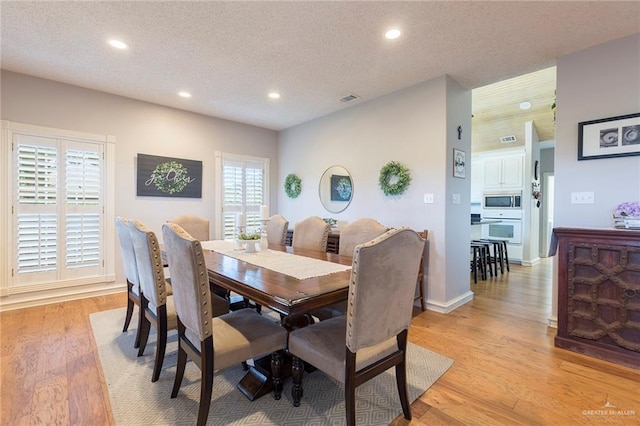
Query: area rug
pixel 137 401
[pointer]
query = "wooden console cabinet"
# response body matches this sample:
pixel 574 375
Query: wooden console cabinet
pixel 599 293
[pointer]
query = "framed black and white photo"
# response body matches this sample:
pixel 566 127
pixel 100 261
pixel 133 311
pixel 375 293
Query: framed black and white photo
pixel 168 177
pixel 609 137
pixel 459 164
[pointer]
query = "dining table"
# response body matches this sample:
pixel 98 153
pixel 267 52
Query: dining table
pixel 290 281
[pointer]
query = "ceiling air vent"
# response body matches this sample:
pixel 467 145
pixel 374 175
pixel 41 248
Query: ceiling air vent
pixel 508 139
pixel 350 97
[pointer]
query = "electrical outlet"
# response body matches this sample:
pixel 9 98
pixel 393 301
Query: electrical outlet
pixel 582 198
pixel 428 198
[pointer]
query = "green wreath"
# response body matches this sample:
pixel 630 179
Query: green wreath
pixel 170 177
pixel 292 185
pixel 394 178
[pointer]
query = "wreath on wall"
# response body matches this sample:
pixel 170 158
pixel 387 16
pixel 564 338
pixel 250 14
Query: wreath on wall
pixel 170 177
pixel 394 178
pixel 292 185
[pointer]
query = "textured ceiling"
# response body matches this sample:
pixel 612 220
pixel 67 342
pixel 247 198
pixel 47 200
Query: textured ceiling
pixel 231 54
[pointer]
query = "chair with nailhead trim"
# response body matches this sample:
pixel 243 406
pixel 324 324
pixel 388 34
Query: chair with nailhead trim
pixel 372 337
pixel 213 343
pixel 155 304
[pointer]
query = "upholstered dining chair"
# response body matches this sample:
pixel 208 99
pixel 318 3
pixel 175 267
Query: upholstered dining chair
pixel 372 337
pixel 213 343
pixel 354 233
pixel 277 229
pixel 131 273
pixel 311 233
pixel 197 226
pixel 156 306
pixel 419 295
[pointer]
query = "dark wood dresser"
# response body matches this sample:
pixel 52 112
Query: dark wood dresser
pixel 333 242
pixel 599 293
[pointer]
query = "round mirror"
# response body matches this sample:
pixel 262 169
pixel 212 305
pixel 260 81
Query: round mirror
pixel 336 189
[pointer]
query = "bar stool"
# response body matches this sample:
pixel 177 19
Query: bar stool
pixel 498 254
pixel 490 262
pixel 478 261
pixel 504 250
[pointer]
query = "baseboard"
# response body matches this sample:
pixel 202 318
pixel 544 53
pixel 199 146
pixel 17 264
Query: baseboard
pixel 552 322
pixel 451 305
pixel 531 262
pixel 27 300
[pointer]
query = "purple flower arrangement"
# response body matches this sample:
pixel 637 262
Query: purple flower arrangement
pixel 628 208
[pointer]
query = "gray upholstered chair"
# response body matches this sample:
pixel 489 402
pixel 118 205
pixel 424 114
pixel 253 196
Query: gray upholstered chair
pixel 213 343
pixel 351 234
pixel 277 229
pixel 196 226
pixel 156 306
pixel 372 337
pixel 311 234
pixel 131 273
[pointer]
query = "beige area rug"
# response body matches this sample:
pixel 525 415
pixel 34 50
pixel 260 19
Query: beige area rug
pixel 137 401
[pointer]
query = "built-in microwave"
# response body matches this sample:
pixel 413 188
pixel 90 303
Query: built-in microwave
pixel 502 200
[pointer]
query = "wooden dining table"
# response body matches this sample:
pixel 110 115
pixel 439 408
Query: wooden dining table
pixel 291 297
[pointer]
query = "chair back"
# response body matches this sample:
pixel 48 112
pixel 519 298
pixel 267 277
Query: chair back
pixel 311 234
pixel 150 265
pixel 190 281
pixel 277 229
pixel 358 232
pixel 382 286
pixel 196 226
pixel 128 255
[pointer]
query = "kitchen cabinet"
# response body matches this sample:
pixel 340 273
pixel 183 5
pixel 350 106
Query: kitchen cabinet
pixel 504 172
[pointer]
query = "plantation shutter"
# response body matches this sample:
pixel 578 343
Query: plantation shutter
pixel 243 191
pixel 58 209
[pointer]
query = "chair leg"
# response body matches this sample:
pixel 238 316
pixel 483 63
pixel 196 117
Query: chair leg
pixel 276 374
pixel 401 377
pixel 127 318
pixel 350 388
pixel 136 343
pixel 206 385
pixel 181 363
pixel 145 325
pixel 297 368
pixel 161 343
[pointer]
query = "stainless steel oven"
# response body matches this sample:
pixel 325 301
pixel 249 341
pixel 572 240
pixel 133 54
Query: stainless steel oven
pixel 507 225
pixel 502 200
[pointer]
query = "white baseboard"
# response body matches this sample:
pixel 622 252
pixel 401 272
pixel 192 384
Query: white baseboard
pixel 451 305
pixel 45 297
pixel 531 262
pixel 552 322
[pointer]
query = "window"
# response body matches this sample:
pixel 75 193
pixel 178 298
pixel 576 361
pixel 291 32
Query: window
pixel 244 187
pixel 57 234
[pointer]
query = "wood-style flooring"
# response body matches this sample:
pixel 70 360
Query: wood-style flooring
pixel 506 369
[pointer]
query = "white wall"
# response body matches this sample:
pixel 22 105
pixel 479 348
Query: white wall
pixel 416 126
pixel 531 224
pixel 139 127
pixel 599 82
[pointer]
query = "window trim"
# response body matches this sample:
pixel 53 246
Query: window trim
pixel 58 288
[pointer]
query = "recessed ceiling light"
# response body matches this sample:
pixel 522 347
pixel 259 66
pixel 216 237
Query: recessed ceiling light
pixel 118 44
pixel 392 34
pixel 274 95
pixel 184 94
pixel 525 105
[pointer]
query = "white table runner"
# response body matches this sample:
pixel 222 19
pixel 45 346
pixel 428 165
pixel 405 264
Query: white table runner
pixel 296 266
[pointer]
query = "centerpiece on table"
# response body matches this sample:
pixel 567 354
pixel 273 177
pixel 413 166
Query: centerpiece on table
pixel 627 215
pixel 249 240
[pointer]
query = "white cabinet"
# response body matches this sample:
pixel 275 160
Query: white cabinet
pixel 504 172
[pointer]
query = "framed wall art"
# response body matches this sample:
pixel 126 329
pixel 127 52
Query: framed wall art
pixel 168 177
pixel 609 137
pixel 340 188
pixel 459 164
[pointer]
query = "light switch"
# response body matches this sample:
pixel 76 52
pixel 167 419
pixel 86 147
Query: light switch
pixel 428 198
pixel 455 198
pixel 582 198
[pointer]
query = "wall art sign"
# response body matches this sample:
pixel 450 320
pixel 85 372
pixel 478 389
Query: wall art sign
pixel 168 177
pixel 340 188
pixel 609 137
pixel 459 164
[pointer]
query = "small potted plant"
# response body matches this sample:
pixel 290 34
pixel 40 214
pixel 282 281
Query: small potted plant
pixel 249 240
pixel 627 215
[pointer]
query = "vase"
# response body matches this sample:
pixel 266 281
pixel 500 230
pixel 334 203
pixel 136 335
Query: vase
pixel 250 246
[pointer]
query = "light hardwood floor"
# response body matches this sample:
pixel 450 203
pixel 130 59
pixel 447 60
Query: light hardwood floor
pixel 506 369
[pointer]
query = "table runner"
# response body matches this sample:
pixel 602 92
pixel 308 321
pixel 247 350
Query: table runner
pixel 296 266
